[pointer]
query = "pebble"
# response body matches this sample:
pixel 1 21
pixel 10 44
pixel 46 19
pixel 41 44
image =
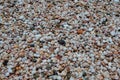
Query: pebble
pixel 5 62
pixel 80 31
pixel 113 33
pixel 62 42
pixel 116 1
pixel 32 45
pixel 72 78
pixel 90 29
pixel 106 74
pixel 92 69
pixel 84 74
pixel 21 17
pixel 56 77
pixel 37 36
pixel 36 55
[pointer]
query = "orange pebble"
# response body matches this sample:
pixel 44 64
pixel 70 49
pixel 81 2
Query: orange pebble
pixel 80 31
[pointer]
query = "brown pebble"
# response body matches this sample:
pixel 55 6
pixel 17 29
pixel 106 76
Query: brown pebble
pixel 80 31
pixel 22 53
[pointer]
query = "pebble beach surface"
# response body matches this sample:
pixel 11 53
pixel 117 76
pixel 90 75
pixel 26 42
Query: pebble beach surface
pixel 59 40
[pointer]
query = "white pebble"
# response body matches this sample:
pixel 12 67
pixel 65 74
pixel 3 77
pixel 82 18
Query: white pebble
pixel 112 33
pixel 71 78
pixel 56 77
pixel 7 74
pixel 106 74
pixel 21 17
pixel 36 55
pixel 116 0
pixel 90 29
pixel 113 68
pixel 92 69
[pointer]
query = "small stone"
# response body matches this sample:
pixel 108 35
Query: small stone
pixel 10 70
pixel 113 69
pixel 84 74
pixel 32 45
pixel 92 69
pixel 5 62
pixel 116 1
pixel 80 31
pixel 62 42
pixel 21 17
pixel 106 74
pixel 71 78
pixel 112 33
pixel 116 77
pixel 56 77
pixel 68 27
pixel 37 36
pixel 36 55
pixel 90 29
pixel 34 60
pixel 74 59
pixel 7 74
pixel 35 75
pixel 55 72
pixel 22 54
pixel 59 57
pixel 100 77
pixel 64 72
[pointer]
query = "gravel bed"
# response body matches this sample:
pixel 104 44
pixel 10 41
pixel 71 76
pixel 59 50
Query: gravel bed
pixel 59 40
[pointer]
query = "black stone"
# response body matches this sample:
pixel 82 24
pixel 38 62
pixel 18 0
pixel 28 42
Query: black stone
pixel 34 60
pixel 62 42
pixel 55 72
pixel 42 41
pixel 5 62
pixel 32 45
pixel 84 74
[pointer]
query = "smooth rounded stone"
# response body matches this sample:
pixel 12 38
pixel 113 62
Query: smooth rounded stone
pixel 54 77
pixel 64 72
pixel 72 78
pixel 116 1
pixel 84 74
pixel 90 29
pixel 102 57
pixel 85 65
pixel 98 63
pixel 113 33
pixel 0 18
pixel 116 77
pixel 6 47
pixel 20 1
pixel 116 60
pixel 92 69
pixel 106 74
pixel 7 74
pixel 74 59
pixel 105 61
pixel 56 50
pixel 92 78
pixel 62 42
pixel 45 47
pixel 21 17
pixel 100 77
pixel 66 26
pixel 113 69
pixel 118 70
pixel 36 55
pixel 1 7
